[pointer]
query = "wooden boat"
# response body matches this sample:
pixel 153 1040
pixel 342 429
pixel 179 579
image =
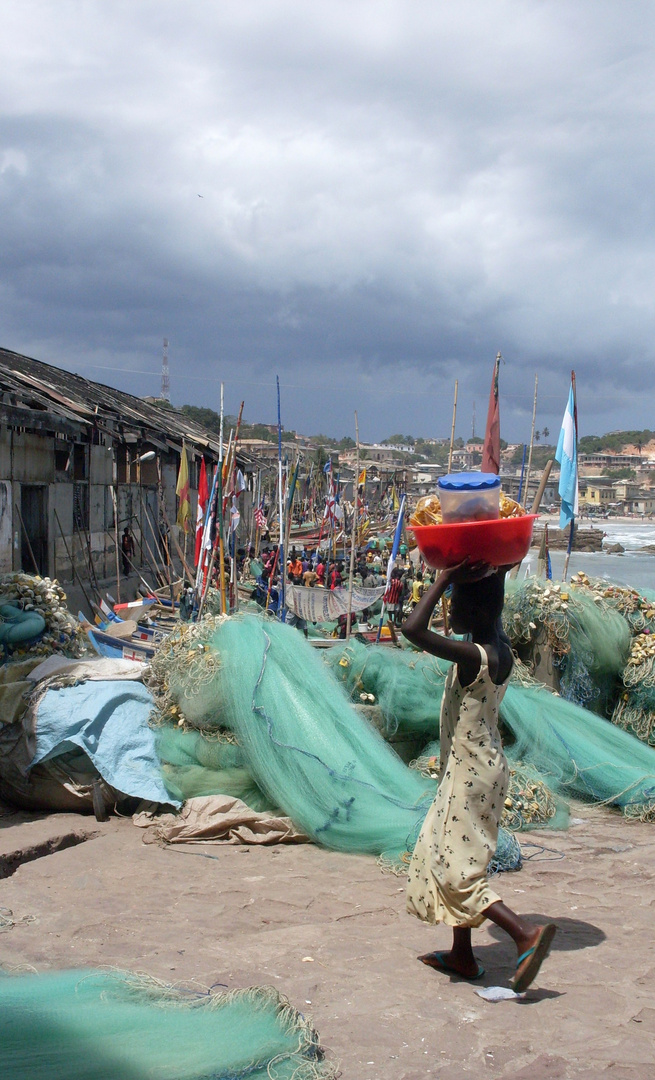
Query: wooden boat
pixel 135 609
pixel 116 649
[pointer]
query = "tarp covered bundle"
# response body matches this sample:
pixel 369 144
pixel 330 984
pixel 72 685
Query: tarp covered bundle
pixel 94 1025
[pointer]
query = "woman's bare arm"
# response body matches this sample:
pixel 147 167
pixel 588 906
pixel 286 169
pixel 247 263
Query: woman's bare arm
pixel 463 653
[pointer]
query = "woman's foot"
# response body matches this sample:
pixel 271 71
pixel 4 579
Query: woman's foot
pixel 532 951
pixel 453 963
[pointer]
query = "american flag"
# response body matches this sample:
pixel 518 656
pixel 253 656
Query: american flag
pixel 260 517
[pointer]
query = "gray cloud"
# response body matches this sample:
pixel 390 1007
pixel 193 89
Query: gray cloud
pixel 390 194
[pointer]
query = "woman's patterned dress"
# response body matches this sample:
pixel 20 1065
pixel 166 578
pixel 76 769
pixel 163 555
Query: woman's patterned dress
pixel 448 872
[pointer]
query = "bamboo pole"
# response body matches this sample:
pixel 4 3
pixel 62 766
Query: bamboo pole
pixel 20 518
pixel 353 539
pixel 147 585
pixel 282 570
pixel 114 501
pixel 534 416
pixel 452 430
pixel 542 486
pixel 572 525
pixel 73 570
pixel 153 560
pixel 221 552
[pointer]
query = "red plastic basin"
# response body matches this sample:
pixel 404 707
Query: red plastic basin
pixel 505 540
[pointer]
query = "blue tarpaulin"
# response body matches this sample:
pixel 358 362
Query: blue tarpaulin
pixel 109 722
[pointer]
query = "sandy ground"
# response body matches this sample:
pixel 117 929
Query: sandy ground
pixel 247 916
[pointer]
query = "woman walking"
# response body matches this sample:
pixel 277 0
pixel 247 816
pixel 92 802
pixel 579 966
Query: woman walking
pixel 448 872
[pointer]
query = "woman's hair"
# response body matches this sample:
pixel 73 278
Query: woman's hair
pixel 487 595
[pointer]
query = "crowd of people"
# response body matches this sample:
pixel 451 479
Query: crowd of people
pixel 313 569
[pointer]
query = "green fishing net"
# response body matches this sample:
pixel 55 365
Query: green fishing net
pixel 329 770
pixel 587 639
pixel 299 740
pixel 195 764
pixel 577 753
pixel 407 685
pixel 547 739
pixel 94 1025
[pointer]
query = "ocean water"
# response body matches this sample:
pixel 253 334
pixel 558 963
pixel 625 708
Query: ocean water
pixel 635 568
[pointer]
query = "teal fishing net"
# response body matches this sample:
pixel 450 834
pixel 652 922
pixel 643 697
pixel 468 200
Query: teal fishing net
pixel 302 743
pixel 577 753
pixel 407 685
pixel 196 764
pixel 587 639
pixel 93 1025
pixel 569 749
pixel 330 771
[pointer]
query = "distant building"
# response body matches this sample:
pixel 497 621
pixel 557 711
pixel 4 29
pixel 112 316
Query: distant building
pixel 79 461
pixel 609 461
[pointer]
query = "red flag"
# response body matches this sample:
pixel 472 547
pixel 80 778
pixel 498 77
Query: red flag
pixel 491 449
pixel 203 498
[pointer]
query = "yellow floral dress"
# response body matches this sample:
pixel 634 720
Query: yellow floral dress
pixel 448 871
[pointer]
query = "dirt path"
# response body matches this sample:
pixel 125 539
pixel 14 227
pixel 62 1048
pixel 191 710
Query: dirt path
pixel 251 916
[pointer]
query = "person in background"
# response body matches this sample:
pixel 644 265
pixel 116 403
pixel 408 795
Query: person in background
pixel 309 578
pixel 417 588
pixel 393 598
pixel 295 569
pixel 127 550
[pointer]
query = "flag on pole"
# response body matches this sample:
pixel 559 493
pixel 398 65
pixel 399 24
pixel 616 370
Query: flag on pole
pixel 260 516
pixel 235 516
pixel 491 448
pixel 182 491
pixel 203 496
pixel 362 478
pixel 567 455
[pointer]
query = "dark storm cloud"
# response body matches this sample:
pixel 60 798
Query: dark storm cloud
pixel 390 194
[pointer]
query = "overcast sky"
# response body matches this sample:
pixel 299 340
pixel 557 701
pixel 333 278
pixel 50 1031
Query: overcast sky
pixel 370 198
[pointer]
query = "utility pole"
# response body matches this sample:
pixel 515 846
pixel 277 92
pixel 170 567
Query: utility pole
pixel 165 374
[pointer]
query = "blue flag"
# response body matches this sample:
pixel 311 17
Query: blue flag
pixel 567 455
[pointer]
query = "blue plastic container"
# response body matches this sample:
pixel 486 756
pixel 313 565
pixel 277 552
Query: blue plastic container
pixel 469 496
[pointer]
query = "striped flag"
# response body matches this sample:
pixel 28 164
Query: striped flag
pixel 260 516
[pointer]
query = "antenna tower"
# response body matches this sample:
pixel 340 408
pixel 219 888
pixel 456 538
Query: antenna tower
pixel 165 374
pixel 473 425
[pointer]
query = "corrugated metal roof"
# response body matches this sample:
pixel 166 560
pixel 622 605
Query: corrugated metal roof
pixel 31 384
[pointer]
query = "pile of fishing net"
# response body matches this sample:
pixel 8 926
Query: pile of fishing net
pixel 572 751
pixel 407 685
pixel 587 638
pixel 634 708
pixel 196 763
pixel 529 803
pixel 601 637
pixel 46 598
pixel 261 701
pixel 95 1025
